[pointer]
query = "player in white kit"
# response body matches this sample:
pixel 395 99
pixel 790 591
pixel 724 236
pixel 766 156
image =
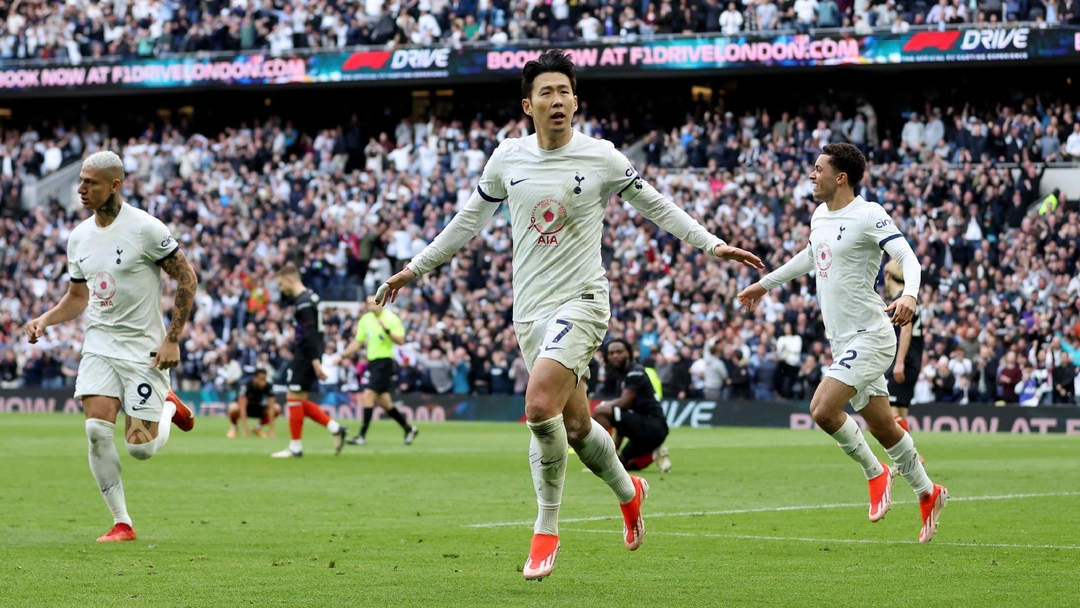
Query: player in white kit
pixel 115 259
pixel 847 236
pixel 557 184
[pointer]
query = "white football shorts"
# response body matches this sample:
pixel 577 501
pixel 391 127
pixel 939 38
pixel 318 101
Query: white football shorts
pixel 571 335
pixel 140 388
pixel 860 361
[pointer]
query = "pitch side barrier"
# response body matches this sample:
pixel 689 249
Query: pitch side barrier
pixel 613 57
pixel 695 413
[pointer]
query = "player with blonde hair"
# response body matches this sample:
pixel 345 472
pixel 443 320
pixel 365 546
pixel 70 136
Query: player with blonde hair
pixel 115 259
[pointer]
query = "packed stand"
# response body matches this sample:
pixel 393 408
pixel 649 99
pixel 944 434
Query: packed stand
pixel 76 30
pixel 1000 284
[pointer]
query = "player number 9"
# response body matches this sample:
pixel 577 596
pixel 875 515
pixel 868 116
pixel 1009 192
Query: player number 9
pixel 144 391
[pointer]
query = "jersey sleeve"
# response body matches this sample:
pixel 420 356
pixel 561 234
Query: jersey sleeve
pixel 491 187
pixel 801 264
pixel 880 227
pixel 75 272
pixel 622 179
pixel 637 381
pixel 620 176
pixel 158 242
pixel 465 225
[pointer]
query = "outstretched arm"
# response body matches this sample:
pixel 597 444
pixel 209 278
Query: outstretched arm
pixel 663 212
pixel 177 267
pixel 70 306
pixel 465 225
pixel 903 308
pixel 796 267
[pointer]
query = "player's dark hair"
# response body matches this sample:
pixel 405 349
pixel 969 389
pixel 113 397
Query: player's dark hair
pixel 846 158
pixel 629 349
pixel 260 371
pixel 554 60
pixel 288 269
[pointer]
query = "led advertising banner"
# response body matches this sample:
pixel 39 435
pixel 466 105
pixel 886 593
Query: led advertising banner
pixel 701 413
pixel 446 65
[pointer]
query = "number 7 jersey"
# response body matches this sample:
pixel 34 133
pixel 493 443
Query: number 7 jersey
pixel 557 201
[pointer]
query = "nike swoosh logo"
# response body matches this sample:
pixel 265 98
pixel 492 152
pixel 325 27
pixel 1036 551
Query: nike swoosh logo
pixel 513 183
pixel 136 408
pixel 545 464
pixel 84 259
pixel 552 348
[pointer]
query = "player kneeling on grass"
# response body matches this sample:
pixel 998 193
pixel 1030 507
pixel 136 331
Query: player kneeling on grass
pixel 115 259
pixel 634 412
pixel 254 401
pixel 847 236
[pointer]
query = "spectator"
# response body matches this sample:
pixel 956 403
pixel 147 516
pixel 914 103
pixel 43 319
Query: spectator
pixel 731 20
pixel 1064 380
pixel 764 373
pixel 1009 377
pixel 991 262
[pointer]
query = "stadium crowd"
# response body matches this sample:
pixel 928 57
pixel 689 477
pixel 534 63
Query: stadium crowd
pixel 1001 288
pixel 77 30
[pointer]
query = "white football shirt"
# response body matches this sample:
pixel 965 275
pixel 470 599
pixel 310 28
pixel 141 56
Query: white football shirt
pixel 557 201
pixel 845 250
pixel 120 265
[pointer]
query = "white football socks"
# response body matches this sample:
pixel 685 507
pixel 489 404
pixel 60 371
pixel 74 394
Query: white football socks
pixel 547 458
pixel 105 466
pixel 905 457
pixel 597 451
pixel 850 439
pixel 333 427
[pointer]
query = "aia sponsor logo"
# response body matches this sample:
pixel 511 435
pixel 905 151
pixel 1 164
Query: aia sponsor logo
pixel 823 256
pixel 548 218
pixel 104 288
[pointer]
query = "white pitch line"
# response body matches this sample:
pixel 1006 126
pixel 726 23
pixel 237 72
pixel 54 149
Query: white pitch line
pixel 854 541
pixel 571 520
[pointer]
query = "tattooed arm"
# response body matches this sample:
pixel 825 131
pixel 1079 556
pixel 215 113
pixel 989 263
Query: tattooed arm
pixel 187 283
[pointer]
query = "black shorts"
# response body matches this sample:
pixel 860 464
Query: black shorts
pixel 644 433
pixel 300 377
pixel 261 414
pixel 379 376
pixel 901 394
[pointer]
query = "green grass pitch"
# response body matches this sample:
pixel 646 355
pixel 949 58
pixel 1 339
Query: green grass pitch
pixel 748 517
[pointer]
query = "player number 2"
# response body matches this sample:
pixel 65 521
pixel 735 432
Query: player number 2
pixel 144 391
pixel 848 356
